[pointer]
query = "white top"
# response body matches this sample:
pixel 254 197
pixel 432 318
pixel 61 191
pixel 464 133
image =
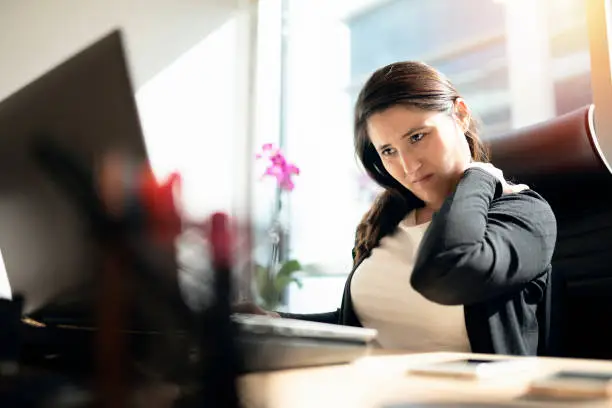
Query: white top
pixel 383 298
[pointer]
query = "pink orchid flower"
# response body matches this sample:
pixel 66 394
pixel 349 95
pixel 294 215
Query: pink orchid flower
pixel 279 167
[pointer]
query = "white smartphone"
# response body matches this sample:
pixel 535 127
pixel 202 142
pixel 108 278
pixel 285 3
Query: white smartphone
pixel 474 368
pixel 573 384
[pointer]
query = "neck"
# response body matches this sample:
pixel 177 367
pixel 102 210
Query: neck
pixel 424 214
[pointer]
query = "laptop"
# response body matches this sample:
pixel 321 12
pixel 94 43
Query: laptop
pixel 278 327
pixel 270 343
pixel 87 106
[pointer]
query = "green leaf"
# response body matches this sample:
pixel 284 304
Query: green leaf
pixel 282 282
pixel 289 268
pixel 298 282
pixel 262 279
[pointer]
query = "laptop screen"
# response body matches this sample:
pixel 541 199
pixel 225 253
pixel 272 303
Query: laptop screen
pixel 85 106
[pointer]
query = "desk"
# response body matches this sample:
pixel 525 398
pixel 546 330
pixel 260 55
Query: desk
pixel 382 381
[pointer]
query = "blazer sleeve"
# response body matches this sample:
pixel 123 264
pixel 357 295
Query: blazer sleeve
pixel 481 245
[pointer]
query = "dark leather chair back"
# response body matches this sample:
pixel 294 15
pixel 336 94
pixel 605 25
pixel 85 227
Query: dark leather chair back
pixel 561 160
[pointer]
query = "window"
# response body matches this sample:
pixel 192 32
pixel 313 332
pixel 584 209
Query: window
pixel 516 62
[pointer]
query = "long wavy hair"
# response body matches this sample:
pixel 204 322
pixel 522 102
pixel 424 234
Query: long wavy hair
pixel 412 84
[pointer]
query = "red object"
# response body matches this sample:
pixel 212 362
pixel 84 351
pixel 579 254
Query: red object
pixel 159 203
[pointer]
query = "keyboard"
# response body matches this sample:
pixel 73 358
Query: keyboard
pixel 269 343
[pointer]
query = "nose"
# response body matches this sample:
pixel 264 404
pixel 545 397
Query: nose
pixel 410 163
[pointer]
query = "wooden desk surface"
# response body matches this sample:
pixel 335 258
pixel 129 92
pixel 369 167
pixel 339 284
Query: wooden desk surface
pixel 382 381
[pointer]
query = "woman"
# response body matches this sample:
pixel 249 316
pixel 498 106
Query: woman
pixel 451 256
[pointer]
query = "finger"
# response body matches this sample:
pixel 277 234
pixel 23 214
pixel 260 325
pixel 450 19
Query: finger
pixel 517 188
pixel 521 187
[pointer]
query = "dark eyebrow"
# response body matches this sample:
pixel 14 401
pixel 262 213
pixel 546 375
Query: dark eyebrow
pixel 412 131
pixel 408 133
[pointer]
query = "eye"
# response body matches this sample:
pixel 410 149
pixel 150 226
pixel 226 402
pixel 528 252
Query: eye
pixel 389 151
pixel 416 137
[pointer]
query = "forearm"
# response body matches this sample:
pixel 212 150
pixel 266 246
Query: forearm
pixel 462 219
pixel 478 247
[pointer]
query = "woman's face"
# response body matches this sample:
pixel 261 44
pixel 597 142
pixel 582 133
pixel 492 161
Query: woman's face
pixel 427 152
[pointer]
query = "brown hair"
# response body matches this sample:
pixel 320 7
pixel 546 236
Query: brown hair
pixel 417 85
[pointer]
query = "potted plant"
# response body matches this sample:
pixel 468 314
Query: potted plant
pixel 273 278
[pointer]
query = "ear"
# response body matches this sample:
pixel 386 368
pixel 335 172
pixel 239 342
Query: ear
pixel 462 114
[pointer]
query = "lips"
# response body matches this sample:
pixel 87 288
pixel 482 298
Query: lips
pixel 422 179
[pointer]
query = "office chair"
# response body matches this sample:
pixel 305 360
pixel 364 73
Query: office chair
pixel 560 159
